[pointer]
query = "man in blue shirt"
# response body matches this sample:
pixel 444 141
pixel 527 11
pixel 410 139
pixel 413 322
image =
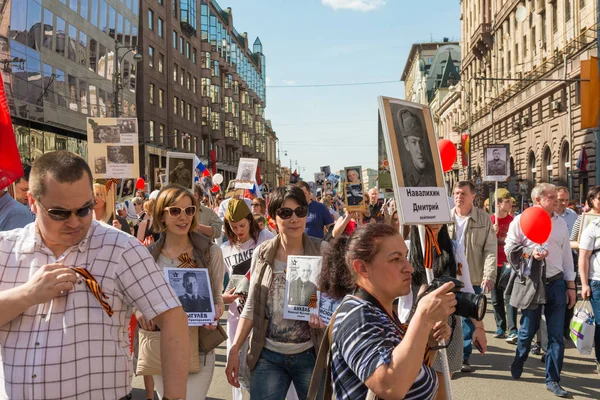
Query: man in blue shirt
pixel 13 214
pixel 318 215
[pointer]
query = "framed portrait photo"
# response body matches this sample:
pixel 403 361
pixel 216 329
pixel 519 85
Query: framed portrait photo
pixel 413 159
pixel 496 162
pixel 246 174
pixel 353 189
pixel 192 286
pixel 301 294
pixel 586 219
pixel 180 169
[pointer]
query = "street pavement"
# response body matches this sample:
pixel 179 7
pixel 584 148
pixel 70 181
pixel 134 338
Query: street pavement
pixel 491 379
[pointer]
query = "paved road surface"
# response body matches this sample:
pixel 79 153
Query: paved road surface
pixel 491 380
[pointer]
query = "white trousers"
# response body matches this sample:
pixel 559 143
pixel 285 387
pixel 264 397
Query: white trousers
pixel 197 384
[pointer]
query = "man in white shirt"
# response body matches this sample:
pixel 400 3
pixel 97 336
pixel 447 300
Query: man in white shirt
pixel 560 288
pixel 67 288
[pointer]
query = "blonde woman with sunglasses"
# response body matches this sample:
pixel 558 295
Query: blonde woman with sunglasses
pixel 174 216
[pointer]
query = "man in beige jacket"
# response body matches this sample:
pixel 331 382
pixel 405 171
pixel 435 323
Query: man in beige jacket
pixel 474 230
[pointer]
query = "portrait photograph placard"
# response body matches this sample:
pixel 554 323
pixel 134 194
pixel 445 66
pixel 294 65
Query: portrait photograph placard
pixel 113 150
pixel 192 286
pixel 496 164
pixel 414 162
pixel 354 190
pixel 246 174
pixel 301 293
pixel 326 170
pixel 586 219
pixel 180 169
pixel 319 179
pixel 126 189
pixel 327 306
pixel 157 173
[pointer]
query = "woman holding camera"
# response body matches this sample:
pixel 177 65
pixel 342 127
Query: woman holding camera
pixel 281 351
pixel 371 350
pixel 449 260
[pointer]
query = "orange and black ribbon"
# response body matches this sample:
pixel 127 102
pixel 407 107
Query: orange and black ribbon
pixel 110 183
pixel 92 283
pixel 430 244
pixel 312 303
pixel 186 261
pixel 459 269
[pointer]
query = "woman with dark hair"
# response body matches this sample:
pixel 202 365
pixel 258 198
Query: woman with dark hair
pixel 243 236
pixel 281 351
pixel 593 202
pixel 448 260
pixel 371 351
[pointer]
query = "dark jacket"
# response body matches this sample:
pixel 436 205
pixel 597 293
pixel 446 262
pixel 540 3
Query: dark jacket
pixel 526 292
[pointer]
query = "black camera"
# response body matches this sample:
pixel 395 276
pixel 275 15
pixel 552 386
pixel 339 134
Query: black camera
pixel 469 305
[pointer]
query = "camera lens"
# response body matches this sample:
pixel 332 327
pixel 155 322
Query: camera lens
pixel 471 305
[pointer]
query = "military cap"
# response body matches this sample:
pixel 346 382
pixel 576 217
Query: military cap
pixel 237 210
pixel 410 124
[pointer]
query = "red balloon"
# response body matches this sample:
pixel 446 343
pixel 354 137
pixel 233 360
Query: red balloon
pixel 448 154
pixel 536 224
pixel 140 184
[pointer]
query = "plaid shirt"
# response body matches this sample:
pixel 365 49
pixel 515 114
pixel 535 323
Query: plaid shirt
pixel 69 348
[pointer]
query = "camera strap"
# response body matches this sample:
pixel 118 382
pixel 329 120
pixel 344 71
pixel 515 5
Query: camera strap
pixel 362 293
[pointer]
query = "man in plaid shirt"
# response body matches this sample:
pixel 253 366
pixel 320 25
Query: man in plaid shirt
pixel 67 288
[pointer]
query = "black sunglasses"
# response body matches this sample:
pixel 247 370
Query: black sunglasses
pixel 190 211
pixel 286 212
pixel 59 214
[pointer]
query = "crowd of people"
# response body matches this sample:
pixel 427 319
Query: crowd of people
pixel 75 266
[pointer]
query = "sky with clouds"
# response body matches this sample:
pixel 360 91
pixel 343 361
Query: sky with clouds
pixel 321 42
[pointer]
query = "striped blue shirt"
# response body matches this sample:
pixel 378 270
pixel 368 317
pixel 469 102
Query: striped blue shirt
pixel 363 339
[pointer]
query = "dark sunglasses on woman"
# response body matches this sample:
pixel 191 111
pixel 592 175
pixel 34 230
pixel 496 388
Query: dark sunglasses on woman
pixel 190 211
pixel 60 214
pixel 286 212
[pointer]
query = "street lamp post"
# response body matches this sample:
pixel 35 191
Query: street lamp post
pixel 117 73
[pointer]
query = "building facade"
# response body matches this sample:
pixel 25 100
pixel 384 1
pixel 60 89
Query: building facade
pixel 520 86
pixel 202 88
pixel 57 63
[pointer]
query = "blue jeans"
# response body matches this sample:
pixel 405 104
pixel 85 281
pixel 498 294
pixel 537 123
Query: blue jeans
pixel 595 301
pixel 554 310
pixel 503 310
pixel 468 329
pixel 274 372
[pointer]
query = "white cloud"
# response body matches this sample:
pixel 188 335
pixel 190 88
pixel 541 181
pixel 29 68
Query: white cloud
pixel 268 81
pixel 289 82
pixel 356 5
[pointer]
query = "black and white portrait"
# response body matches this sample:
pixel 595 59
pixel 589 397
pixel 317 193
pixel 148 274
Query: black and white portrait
pixel 245 178
pixel 127 126
pixel 192 286
pixel 127 188
pixel 179 170
pixel 106 134
pixel 326 170
pixel 120 154
pixel 302 274
pixel 319 179
pixel 100 165
pixel 414 144
pixel 354 187
pixel 496 161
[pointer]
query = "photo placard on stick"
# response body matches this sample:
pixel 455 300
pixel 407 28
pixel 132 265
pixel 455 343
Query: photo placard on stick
pixel 246 174
pixel 326 170
pixel 192 286
pixel 180 169
pixel 113 147
pixel 354 190
pixel 301 293
pixel 319 179
pixel 327 306
pixel 126 189
pixel 496 162
pixel 414 161
pixel 586 219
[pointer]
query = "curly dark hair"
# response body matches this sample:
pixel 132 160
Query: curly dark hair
pixel 443 265
pixel 337 277
pixel 254 230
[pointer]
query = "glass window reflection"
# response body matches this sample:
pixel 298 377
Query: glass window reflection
pixel 48 84
pixel 94 12
pixel 72 55
pixel 82 49
pixel 48 34
pixel 83 90
pixel 103 16
pixel 59 86
pixel 60 36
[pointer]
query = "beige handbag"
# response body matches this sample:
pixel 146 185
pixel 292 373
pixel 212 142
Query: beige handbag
pixel 149 352
pixel 208 340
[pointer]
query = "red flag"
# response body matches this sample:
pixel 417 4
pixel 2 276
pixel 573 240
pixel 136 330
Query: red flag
pixel 215 189
pixel 205 173
pixel 213 161
pixel 258 180
pixel 11 168
pixel 582 161
pixel 464 152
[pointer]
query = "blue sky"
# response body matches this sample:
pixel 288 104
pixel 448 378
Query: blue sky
pixel 312 42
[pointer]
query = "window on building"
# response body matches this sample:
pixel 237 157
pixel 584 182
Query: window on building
pixel 175 40
pixel 161 2
pixel 543 26
pixel 159 27
pixel 151 94
pixel 204 116
pixel 554 10
pixel 151 130
pixel 195 116
pixel 194 55
pixel 182 77
pixel 181 108
pixel 161 61
pixel 151 56
pixel 205 59
pixel 175 71
pixel 188 81
pixel 194 84
pixel 181 44
pixel 187 50
pixel 161 98
pixel 175 104
pixel 533 43
pixel 189 112
pixel 150 19
pixel 567 10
